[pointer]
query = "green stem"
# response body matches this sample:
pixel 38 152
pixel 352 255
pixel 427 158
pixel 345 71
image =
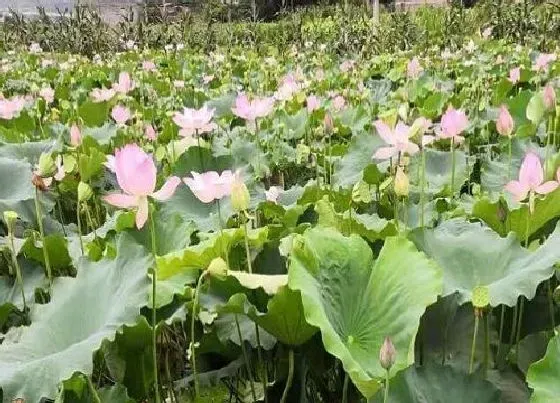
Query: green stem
pixel 247 251
pixel 509 158
pixel 154 316
pixel 15 262
pixel 473 346
pixel 246 358
pixel 519 323
pixel 501 332
pixel 193 320
pixel 396 212
pixel 452 169
pixel 422 187
pixel 386 393
pixel 550 304
pixel 79 221
pixel 345 388
pixel 513 325
pixel 290 376
pixel 42 233
pixel 264 374
pixel 486 343
pixel 222 245
pixel 94 394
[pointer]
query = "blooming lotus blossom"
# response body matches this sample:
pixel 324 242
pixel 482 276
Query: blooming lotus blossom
pixel 136 176
pixel 194 121
pixel 504 124
pixel 102 94
pixel 10 108
pixel 35 48
pixel 148 65
pixel 531 178
pixel 543 60
pixel 453 123
pixel 120 114
pixel 47 93
pixel 179 84
pixel 272 194
pixel 347 65
pixel 125 84
pixel 252 110
pixel 150 132
pixel 338 103
pixel 207 78
pixel 288 88
pixel 549 97
pixel 312 103
pixel 515 75
pixel 210 186
pixel 75 136
pixel 413 69
pixel 398 140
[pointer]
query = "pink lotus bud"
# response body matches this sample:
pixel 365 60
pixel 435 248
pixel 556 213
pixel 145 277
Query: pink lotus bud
pixel 504 124
pixel 387 354
pixel 515 75
pixel 75 136
pixel 150 132
pixel 549 96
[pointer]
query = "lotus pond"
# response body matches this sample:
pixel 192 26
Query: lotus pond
pixel 281 226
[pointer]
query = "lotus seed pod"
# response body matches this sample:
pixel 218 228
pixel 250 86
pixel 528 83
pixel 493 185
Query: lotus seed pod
pixel 401 183
pixel 46 165
pixel 481 297
pixel 84 192
pixel 240 196
pixel 10 217
pixel 387 354
pixel 218 268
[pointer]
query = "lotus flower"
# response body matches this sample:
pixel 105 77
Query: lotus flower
pixel 453 123
pixel 543 60
pixel 35 48
pixel 398 140
pixel 125 84
pixel 148 65
pixel 102 94
pixel 10 108
pixel 549 97
pixel 210 186
pixel 347 65
pixel 338 103
pixel 60 173
pixel 252 110
pixel 504 124
pixel 272 194
pixel 136 176
pixel 194 121
pixel 487 32
pixel 120 114
pixel 178 84
pixel 47 93
pixel 413 69
pixel 150 132
pixel 312 103
pixel 75 136
pixel 531 178
pixel 515 75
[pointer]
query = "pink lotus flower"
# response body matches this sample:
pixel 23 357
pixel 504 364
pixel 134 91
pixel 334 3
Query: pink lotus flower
pixel 338 103
pixel 10 108
pixel 398 140
pixel 487 32
pixel 210 186
pixel 125 84
pixel 110 163
pixel 531 177
pixel 272 194
pixel 150 132
pixel 179 84
pixel 453 123
pixel 47 93
pixel 252 110
pixel 120 114
pixel 515 75
pixel 549 97
pixel 75 136
pixel 148 65
pixel 312 103
pixel 504 124
pixel 195 121
pixel 136 176
pixel 208 78
pixel 543 60
pixel 347 65
pixel 102 94
pixel 413 69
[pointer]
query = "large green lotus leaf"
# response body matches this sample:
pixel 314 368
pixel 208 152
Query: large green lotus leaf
pixel 438 171
pixel 543 375
pixel 82 313
pixel 199 256
pixel 531 349
pixel 473 255
pixel 438 384
pixel 357 302
pixel 33 277
pixel 93 113
pixel 29 151
pixel 77 390
pixel 349 169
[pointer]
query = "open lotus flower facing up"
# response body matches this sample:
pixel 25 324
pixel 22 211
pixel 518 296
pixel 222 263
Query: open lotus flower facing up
pixel 515 75
pixel 136 176
pixel 210 186
pixel 398 140
pixel 543 60
pixel 125 84
pixel 102 94
pixel 252 110
pixel 120 114
pixel 194 121
pixel 453 123
pixel 531 178
pixel 10 108
pixel 504 124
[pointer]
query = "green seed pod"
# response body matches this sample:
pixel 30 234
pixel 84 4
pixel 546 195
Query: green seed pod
pixel 240 196
pixel 218 268
pixel 10 217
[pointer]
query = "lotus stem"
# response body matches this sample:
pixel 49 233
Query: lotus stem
pixel 501 332
pixel 519 323
pixel 39 215
pixel 452 168
pixel 15 262
pixel 473 345
pixel 486 343
pixel 246 359
pixel 513 325
pixel 200 152
pixel 247 250
pixel 262 363
pixel 386 393
pixel 422 186
pixel 79 221
pixel 154 316
pixel 345 388
pixel 550 304
pixel 509 158
pixel 222 246
pixel 290 376
pixel 193 320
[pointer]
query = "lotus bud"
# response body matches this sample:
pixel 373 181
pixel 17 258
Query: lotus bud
pixel 84 192
pixel 75 136
pixel 387 354
pixel 549 96
pixel 10 217
pixel 240 196
pixel 328 123
pixel 46 165
pixel 218 268
pixel 401 183
pixel 504 124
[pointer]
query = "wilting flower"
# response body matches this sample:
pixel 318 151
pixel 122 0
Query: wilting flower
pixel 10 108
pixel 252 110
pixel 453 123
pixel 75 136
pixel 47 93
pixel 150 132
pixel 543 60
pixel 120 114
pixel 398 140
pixel 387 354
pixel 549 97
pixel 102 94
pixel 272 194
pixel 312 103
pixel 413 68
pixel 210 186
pixel 194 121
pixel 504 124
pixel 515 75
pixel 136 176
pixel 148 65
pixel 338 103
pixel 125 84
pixel 531 178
